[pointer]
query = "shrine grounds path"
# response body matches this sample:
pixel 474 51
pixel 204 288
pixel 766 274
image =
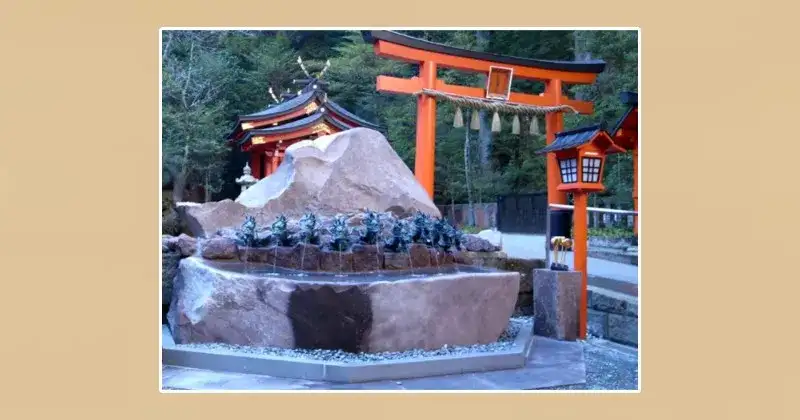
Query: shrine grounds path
pixel 623 278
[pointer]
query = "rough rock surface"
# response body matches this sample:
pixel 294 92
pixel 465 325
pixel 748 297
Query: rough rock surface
pixel 344 172
pixel 186 245
pixel 367 258
pixel 336 262
pixel 211 305
pixel 220 248
pixel 556 303
pixel 169 269
pixel 475 243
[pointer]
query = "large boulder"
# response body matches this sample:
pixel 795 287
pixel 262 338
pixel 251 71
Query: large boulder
pixel 344 172
pixel 494 236
pixel 229 306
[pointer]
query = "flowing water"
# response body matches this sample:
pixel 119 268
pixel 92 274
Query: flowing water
pixel 302 259
pixel 198 248
pixel 340 265
pixel 247 259
pixel 264 269
pixel 275 260
pixel 436 256
pixel 378 243
pixel 410 264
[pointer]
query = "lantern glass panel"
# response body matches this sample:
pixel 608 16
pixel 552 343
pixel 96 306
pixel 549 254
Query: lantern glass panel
pixel 591 169
pixel 569 170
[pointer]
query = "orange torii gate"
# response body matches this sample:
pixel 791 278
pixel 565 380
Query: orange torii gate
pixel 500 70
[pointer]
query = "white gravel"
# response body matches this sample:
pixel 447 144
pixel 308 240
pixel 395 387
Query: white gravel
pixel 505 342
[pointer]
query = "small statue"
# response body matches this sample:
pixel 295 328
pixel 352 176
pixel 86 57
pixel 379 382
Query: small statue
pixel 560 244
pixel 309 229
pixel 400 237
pixel 247 179
pixel 340 234
pixel 372 228
pixel 281 234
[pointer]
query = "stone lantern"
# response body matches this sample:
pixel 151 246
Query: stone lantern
pixel 247 179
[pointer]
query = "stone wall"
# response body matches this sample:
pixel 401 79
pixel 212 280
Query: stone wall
pixel 524 267
pixel 613 316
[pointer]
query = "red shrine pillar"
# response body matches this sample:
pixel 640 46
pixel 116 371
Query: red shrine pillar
pixel 274 161
pixel 255 164
pixel 424 164
pixel 636 190
pixel 268 163
pixel 554 123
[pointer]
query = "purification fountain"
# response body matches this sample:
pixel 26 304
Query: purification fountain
pixel 332 286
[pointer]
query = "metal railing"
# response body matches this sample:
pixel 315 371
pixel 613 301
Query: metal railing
pixel 571 207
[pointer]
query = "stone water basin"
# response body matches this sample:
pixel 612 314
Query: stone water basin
pixel 258 305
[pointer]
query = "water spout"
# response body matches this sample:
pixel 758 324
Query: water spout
pixel 436 256
pixel 275 261
pixel 302 259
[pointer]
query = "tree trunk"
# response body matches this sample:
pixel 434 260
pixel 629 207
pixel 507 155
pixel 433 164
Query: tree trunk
pixel 207 189
pixel 581 53
pixel 178 186
pixel 471 208
pixel 485 132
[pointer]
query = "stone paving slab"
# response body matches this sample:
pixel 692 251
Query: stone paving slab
pixel 551 363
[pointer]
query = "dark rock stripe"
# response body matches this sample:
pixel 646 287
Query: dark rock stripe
pixel 330 317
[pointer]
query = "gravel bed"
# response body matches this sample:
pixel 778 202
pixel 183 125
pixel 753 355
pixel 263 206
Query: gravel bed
pixel 608 367
pixel 505 342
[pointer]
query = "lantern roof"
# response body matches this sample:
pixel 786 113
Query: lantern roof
pixel 573 139
pixel 589 66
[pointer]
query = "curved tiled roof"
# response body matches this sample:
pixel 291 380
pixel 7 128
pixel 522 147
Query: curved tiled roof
pixel 307 95
pixel 337 109
pixel 312 119
pixel 284 107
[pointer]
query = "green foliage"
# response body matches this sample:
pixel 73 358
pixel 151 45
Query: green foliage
pixel 470 229
pixel 612 232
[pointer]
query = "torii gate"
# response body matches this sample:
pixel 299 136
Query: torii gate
pixel 500 70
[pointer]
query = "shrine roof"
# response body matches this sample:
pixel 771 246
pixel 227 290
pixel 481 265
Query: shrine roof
pixel 590 66
pixel 338 109
pixel 307 95
pixel 631 99
pixel 315 118
pixel 284 107
pixel 573 138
